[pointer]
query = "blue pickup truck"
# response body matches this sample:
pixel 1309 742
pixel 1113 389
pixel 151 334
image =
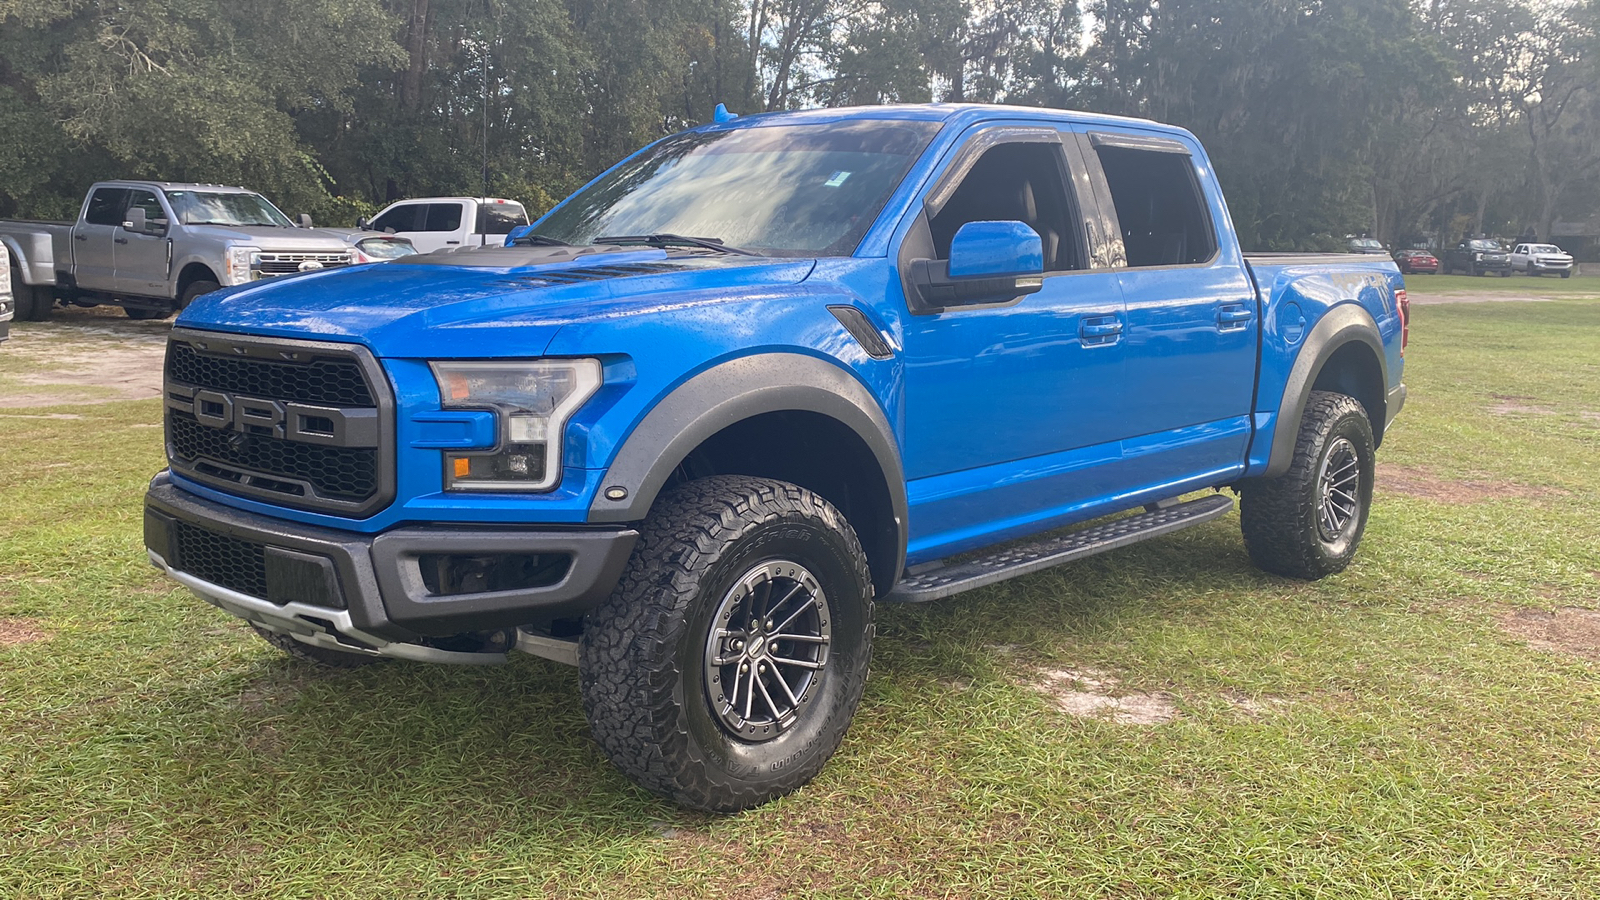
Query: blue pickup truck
pixel 686 428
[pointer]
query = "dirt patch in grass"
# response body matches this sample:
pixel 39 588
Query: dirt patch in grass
pixel 82 356
pixel 1413 481
pixel 1567 629
pixel 16 631
pixel 1094 694
pixel 1514 405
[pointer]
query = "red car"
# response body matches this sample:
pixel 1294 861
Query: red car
pixel 1413 261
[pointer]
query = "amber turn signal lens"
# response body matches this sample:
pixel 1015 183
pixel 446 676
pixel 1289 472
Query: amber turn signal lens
pixel 463 466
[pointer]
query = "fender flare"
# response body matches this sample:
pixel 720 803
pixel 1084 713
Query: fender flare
pixel 25 267
pixel 1338 327
pixel 732 392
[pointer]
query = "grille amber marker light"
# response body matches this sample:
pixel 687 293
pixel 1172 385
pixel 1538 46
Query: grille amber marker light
pixel 463 466
pixel 459 388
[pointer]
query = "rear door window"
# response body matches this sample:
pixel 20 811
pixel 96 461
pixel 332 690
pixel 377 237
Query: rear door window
pixel 1159 207
pixel 106 206
pixel 442 217
pixel 400 218
pixel 501 218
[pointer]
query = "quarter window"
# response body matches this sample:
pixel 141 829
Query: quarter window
pixel 1159 207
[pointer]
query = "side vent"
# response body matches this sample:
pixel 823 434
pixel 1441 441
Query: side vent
pixel 855 321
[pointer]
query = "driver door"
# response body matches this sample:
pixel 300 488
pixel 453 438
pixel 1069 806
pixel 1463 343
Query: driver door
pixel 1012 407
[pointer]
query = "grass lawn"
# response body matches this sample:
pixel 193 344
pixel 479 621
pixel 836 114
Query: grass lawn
pixel 1425 725
pixel 1540 286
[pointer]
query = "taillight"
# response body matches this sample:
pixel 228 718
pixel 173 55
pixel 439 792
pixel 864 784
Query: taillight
pixel 1404 303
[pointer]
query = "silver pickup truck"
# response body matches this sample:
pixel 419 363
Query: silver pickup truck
pixel 153 246
pixel 6 311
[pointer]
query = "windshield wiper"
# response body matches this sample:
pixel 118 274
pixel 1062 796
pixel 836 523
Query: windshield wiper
pixel 663 240
pixel 538 240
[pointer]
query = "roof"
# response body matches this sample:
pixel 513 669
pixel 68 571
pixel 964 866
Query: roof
pixel 953 113
pixel 171 185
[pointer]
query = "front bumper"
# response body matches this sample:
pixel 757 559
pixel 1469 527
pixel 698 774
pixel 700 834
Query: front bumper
pixel 1551 266
pixel 367 593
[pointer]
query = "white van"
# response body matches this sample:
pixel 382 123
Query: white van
pixel 443 223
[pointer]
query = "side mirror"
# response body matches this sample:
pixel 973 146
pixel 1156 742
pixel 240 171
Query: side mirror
pixel 305 220
pixel 362 224
pixel 136 221
pixel 990 262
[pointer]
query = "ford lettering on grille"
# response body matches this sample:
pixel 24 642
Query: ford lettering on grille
pixel 301 424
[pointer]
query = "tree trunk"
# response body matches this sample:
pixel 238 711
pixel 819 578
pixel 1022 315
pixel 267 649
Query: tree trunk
pixel 416 56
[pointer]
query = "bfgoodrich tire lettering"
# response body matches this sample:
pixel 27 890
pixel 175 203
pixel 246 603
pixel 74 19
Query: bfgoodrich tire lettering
pixel 1308 522
pixel 654 659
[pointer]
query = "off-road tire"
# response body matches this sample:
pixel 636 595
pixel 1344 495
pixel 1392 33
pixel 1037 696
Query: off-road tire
pixel 320 656
pixel 196 289
pixel 644 656
pixel 1280 517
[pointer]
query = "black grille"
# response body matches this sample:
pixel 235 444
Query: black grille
pixel 323 380
pixel 340 473
pixel 235 564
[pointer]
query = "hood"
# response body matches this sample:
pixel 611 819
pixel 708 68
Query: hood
pixel 269 237
pixel 480 302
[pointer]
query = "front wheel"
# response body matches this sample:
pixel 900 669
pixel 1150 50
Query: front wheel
pixel 1307 523
pixel 726 666
pixel 196 289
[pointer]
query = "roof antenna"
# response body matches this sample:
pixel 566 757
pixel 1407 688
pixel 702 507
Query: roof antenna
pixel 721 114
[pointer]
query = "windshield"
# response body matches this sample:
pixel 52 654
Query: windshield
pixel 1545 248
pixel 1485 245
pixel 1367 244
pixel 783 190
pixel 386 247
pixel 219 208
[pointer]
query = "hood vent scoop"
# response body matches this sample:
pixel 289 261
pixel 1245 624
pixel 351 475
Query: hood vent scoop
pixel 589 273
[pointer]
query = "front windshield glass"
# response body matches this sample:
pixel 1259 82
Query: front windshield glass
pixel 1367 244
pixel 386 248
pixel 1485 245
pixel 225 208
pixel 783 190
pixel 1544 248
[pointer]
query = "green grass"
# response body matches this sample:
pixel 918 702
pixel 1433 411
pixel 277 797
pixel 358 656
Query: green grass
pixel 1541 286
pixel 1397 742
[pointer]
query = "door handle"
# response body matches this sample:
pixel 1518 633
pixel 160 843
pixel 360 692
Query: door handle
pixel 120 240
pixel 452 242
pixel 80 237
pixel 1234 315
pixel 1099 330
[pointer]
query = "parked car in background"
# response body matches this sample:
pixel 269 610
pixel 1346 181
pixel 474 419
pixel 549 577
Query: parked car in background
pixel 151 247
pixel 1366 245
pixel 375 246
pixel 1479 256
pixel 1412 262
pixel 1537 259
pixel 6 304
pixel 685 432
pixel 444 223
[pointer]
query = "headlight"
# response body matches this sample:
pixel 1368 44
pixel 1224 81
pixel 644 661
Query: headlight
pixel 239 259
pixel 532 401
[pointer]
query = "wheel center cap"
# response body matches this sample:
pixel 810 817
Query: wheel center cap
pixel 757 643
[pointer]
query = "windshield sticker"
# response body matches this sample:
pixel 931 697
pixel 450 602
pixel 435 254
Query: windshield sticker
pixel 837 179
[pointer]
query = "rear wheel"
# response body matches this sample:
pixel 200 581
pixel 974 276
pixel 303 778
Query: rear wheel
pixel 725 668
pixel 1308 522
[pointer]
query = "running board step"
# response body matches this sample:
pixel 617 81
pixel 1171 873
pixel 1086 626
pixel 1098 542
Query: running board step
pixel 1025 559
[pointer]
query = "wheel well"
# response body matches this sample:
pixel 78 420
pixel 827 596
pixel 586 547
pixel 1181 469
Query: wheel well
pixel 1354 370
pixel 194 272
pixel 818 453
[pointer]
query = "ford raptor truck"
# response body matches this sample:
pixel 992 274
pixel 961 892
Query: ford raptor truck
pixel 684 430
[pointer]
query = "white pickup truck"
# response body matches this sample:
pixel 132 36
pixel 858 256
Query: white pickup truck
pixel 444 223
pixel 150 247
pixel 1537 259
